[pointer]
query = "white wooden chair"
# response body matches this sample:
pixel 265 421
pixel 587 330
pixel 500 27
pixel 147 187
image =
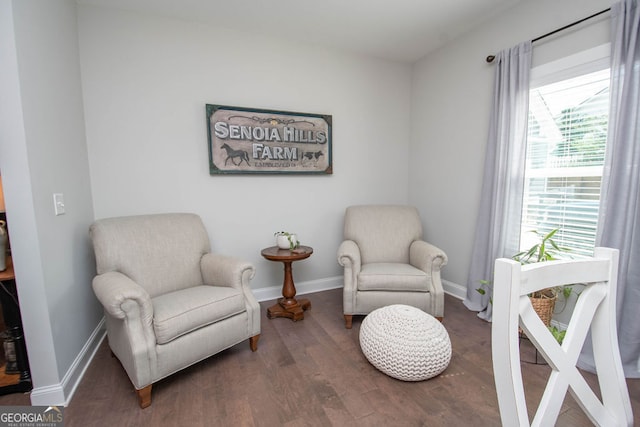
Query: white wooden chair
pixel 595 308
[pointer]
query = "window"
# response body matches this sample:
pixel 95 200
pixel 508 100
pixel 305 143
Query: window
pixel 567 131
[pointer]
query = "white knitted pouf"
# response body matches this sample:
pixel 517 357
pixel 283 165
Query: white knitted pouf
pixel 405 343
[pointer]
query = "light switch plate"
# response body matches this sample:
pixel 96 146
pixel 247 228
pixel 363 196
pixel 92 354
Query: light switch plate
pixel 58 203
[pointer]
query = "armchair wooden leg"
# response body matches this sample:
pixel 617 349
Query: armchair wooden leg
pixel 348 320
pixel 144 396
pixel 253 342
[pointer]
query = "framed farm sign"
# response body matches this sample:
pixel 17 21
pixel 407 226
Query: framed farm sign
pixel 252 141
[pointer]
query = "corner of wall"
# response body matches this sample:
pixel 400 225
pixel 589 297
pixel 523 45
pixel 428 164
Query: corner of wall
pixel 60 394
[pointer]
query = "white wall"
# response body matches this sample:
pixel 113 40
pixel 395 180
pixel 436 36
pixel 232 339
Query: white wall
pixel 42 151
pixel 146 81
pixel 451 96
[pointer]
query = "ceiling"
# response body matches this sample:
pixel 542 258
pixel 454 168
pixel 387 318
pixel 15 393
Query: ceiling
pixel 399 30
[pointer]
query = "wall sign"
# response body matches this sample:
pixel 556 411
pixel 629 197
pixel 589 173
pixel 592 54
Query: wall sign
pixel 246 140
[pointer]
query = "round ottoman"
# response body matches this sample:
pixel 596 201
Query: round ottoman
pixel 405 342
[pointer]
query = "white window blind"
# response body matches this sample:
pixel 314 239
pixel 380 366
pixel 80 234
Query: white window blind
pixel 566 140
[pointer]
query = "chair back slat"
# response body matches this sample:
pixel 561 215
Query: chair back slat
pixel 543 275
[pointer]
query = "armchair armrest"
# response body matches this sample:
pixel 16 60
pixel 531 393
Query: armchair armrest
pixel 349 255
pixel 131 338
pixel 430 259
pixel 115 291
pixel 223 270
pixel 426 256
pixel 349 258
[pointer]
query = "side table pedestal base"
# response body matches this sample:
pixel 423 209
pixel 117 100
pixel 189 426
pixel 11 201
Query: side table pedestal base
pixel 290 308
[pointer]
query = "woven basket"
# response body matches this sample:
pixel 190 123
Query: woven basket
pixel 543 306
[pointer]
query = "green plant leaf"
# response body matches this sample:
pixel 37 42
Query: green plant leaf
pixel 557 334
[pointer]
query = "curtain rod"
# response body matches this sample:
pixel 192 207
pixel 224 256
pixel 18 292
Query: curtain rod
pixel 490 58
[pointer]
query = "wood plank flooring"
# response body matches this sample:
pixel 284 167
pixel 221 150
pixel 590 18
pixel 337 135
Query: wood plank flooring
pixel 312 373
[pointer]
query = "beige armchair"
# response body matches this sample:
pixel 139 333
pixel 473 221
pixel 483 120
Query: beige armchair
pixel 386 262
pixel 168 302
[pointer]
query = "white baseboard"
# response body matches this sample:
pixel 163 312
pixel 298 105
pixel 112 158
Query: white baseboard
pixel 454 289
pixel 310 286
pixel 52 395
pixel 61 394
pixel 275 292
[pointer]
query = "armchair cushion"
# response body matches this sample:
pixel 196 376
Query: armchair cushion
pixel 180 312
pixel 390 276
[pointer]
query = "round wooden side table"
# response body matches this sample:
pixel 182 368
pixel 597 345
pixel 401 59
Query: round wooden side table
pixel 288 305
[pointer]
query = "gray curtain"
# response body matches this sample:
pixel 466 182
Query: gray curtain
pixel 503 180
pixel 620 200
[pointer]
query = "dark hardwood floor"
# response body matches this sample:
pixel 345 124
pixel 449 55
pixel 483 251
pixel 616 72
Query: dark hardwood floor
pixel 312 373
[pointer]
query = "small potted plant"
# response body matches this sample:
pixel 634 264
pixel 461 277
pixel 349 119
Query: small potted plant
pixel 286 240
pixel 544 300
